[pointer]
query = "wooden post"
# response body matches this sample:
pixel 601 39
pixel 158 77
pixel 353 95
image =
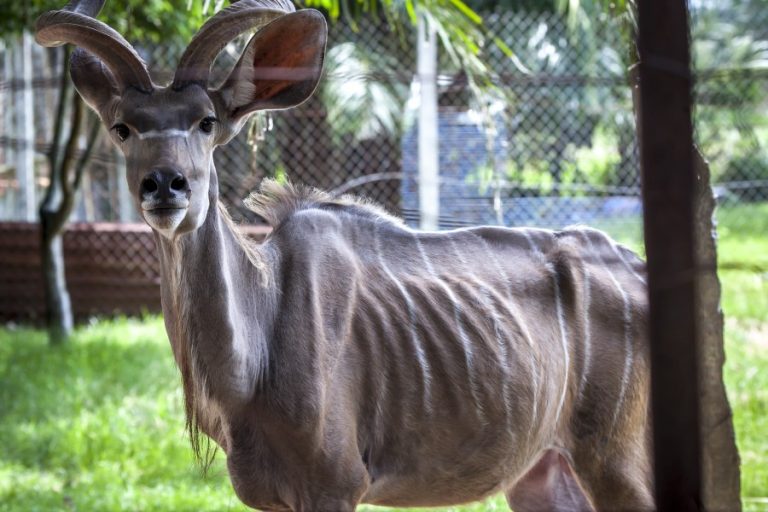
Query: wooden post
pixel 666 151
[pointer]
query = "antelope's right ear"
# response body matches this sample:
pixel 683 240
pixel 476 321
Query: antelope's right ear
pixel 93 80
pixel 280 67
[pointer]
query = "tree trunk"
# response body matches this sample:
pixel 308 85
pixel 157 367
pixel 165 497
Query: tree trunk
pixel 58 306
pixel 57 205
pixel 54 212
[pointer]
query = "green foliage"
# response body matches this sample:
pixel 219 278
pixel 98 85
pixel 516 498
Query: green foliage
pixel 358 106
pixel 746 167
pixel 403 14
pixel 458 27
pixel 729 50
pixel 137 20
pixel 158 21
pixel 280 174
pixel 583 167
pixel 592 116
pixel 98 424
pixel 596 164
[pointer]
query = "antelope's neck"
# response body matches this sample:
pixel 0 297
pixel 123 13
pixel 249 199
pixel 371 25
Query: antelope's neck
pixel 218 308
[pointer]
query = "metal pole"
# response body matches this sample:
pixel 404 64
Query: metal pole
pixel 429 181
pixel 25 128
pixel 11 209
pixel 666 151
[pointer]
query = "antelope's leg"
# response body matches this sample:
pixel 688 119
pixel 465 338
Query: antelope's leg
pixel 550 485
pixel 615 465
pixel 617 480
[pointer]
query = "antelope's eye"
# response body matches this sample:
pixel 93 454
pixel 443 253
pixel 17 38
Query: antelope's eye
pixel 206 124
pixel 122 131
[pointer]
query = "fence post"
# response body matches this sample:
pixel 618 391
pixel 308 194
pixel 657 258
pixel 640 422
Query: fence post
pixel 429 184
pixel 25 126
pixel 668 185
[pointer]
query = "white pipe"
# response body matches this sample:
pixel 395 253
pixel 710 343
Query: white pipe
pixel 25 128
pixel 429 174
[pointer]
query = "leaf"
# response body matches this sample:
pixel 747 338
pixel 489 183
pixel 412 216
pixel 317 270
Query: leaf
pixel 469 13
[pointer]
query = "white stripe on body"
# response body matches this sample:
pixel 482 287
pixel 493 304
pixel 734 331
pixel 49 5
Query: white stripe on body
pixel 518 315
pixel 615 249
pixel 560 319
pixel 486 299
pixel 627 311
pixel 426 374
pixel 587 331
pixel 463 338
pixel 618 253
pixel 163 134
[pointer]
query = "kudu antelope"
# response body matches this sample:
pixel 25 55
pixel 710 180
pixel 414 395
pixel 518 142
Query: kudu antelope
pixel 348 358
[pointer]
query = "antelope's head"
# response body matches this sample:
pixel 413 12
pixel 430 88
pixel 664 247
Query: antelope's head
pixel 168 133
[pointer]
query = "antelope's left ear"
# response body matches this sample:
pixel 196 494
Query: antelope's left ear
pixel 93 80
pixel 280 67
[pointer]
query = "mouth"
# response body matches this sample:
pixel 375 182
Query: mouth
pixel 163 207
pixel 164 217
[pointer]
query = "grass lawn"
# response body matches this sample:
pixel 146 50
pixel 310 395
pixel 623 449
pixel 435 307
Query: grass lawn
pixel 743 262
pixel 98 424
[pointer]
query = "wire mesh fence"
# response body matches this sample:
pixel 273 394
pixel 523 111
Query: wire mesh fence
pixel 553 144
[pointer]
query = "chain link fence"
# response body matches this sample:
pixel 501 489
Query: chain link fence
pixel 553 144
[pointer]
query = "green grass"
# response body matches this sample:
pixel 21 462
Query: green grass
pixel 98 424
pixel 743 262
pixel 746 377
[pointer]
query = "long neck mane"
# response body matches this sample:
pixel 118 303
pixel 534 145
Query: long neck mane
pixel 218 301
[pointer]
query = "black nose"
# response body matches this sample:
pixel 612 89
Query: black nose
pixel 163 185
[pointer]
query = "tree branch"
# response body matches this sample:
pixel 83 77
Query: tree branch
pixel 64 87
pixel 93 137
pixel 59 199
pixel 68 162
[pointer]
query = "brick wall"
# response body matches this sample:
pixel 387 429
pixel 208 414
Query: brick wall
pixel 110 268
